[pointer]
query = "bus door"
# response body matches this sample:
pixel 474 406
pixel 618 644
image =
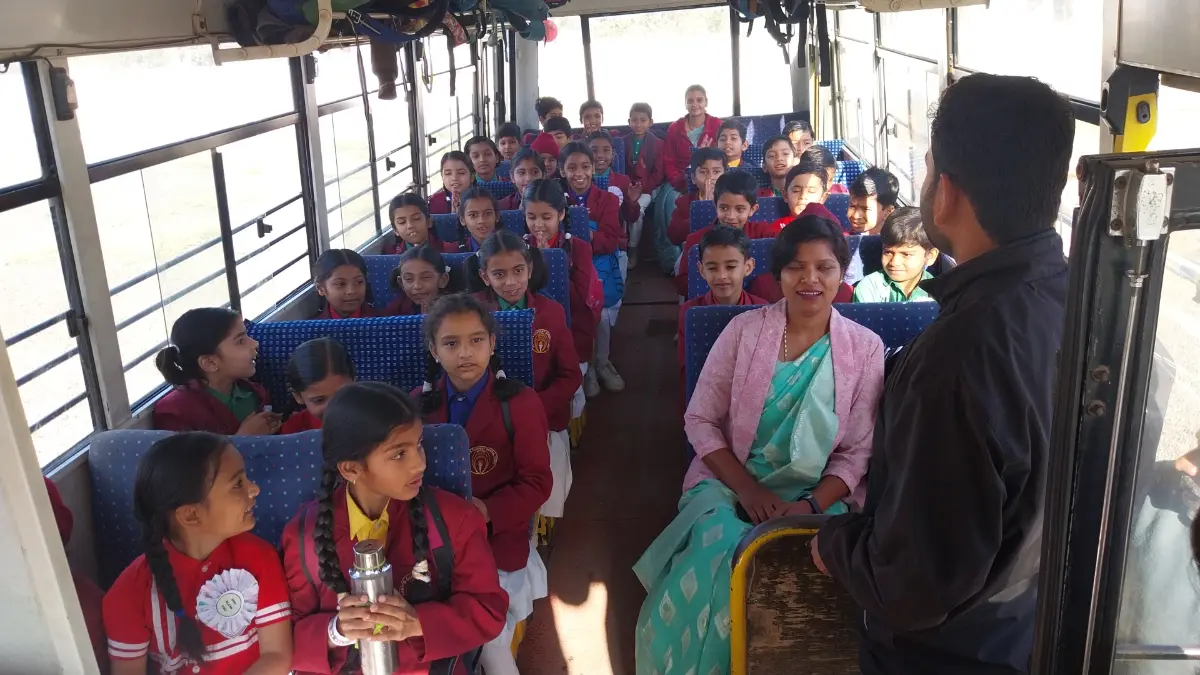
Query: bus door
pixel 1119 591
pixel 911 86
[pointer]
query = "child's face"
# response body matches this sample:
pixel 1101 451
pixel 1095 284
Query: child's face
pixel 395 468
pixel 525 173
pixel 902 264
pixel 725 268
pixel 804 190
pixel 345 290
pixel 640 123
pixel 484 160
pixel 557 112
pixel 592 119
pixel 235 355
pixel 730 142
pixel 734 210
pixel 316 398
pixel 410 224
pixel 479 215
pixel 602 150
pixel 812 279
pixel 696 103
pixel 542 220
pixel 801 139
pixel 578 172
pixel 778 160
pixel 421 282
pixel 710 170
pixel 464 347
pixel 866 216
pixel 551 164
pixel 508 275
pixel 561 138
pixel 509 145
pixel 456 177
pixel 228 508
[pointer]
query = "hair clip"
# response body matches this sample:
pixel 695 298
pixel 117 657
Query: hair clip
pixel 420 572
pixel 500 374
pixel 426 387
pixel 447 269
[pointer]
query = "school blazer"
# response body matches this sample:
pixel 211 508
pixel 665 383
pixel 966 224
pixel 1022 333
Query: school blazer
pixel 677 153
pixel 440 202
pixel 649 166
pixel 511 478
pixel 605 210
pixel 755 229
pixel 473 616
pixel 729 396
pixel 556 371
pixel 681 218
pixel 511 202
pixel 630 210
pixel 585 314
pixel 193 408
pixel 366 311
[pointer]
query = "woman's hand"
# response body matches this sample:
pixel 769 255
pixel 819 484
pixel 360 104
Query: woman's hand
pixel 760 503
pixel 354 612
pixel 264 423
pixel 396 618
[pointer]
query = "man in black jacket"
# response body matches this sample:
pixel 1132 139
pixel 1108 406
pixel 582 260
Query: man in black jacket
pixel 944 557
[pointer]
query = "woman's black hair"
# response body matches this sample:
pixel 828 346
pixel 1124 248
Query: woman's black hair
pixel 408 199
pixel 428 254
pixel 803 230
pixel 477 192
pixel 575 148
pixel 527 154
pixel 807 166
pixel 878 183
pixel 505 388
pixel 197 333
pixel 358 419
pixel 503 241
pixel 476 140
pixel 316 360
pixel 457 156
pixel 509 130
pixel 334 258
pixel 176 471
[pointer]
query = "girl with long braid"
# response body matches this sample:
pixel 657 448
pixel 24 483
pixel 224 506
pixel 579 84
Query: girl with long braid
pixel 207 597
pixel 478 217
pixel 448 600
pixel 510 457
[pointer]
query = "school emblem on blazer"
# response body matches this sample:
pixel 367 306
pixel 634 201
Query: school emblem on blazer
pixel 541 341
pixel 483 460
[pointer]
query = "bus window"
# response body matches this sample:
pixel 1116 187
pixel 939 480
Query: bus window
pixel 764 75
pixel 448 119
pixel 21 161
pixel 915 33
pixel 347 163
pixel 857 24
pixel 337 74
pixel 561 72
pixel 856 62
pixel 1087 142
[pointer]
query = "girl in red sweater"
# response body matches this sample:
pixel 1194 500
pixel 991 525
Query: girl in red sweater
pixel 317 370
pixel 340 277
pixel 412 226
pixel 458 175
pixel 418 280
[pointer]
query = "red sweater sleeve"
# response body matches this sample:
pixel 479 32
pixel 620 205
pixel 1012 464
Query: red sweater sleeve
pixel 681 220
pixel 310 643
pixel 676 156
pixel 564 364
pixel 476 610
pixel 609 235
pixel 512 506
pixel 654 169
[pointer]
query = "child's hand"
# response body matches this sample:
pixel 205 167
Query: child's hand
pixel 635 192
pixel 482 509
pixel 353 617
pixel 395 619
pixel 454 201
pixel 264 423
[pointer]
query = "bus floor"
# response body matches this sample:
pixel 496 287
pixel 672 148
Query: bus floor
pixel 628 470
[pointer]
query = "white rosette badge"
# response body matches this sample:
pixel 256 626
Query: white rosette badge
pixel 227 602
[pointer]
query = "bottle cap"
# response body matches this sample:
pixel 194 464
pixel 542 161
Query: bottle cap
pixel 369 555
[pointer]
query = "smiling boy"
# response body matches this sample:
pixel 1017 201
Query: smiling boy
pixel 907 252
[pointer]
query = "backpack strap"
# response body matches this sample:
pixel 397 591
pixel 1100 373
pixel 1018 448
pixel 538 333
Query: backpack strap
pixel 308 549
pixel 443 550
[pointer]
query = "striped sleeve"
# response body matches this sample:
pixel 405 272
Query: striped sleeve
pixel 273 596
pixel 124 611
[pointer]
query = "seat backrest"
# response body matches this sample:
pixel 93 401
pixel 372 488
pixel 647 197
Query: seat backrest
pixel 848 170
pixel 834 145
pixel 618 162
pixel 499 188
pixel 577 222
pixel 753 168
pixel 504 168
pixel 388 349
pixel 896 323
pixel 446 226
pixel 703 212
pixel 379 270
pixel 866 256
pixel 760 250
pixel 839 205
pixel 782 610
pixel 287 470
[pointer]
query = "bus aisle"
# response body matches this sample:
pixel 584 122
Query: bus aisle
pixel 627 476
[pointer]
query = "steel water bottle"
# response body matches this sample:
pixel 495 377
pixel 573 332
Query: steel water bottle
pixel 372 576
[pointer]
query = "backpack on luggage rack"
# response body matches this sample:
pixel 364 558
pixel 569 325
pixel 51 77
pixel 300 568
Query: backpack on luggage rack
pixel 784 19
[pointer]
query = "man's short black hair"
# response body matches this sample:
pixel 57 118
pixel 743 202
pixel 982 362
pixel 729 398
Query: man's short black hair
pixel 878 183
pixel 558 124
pixel 903 227
pixel 724 235
pixel 736 126
pixel 509 130
pixel 709 154
pixel 739 183
pixel 807 165
pixel 821 155
pixel 545 105
pixel 1006 142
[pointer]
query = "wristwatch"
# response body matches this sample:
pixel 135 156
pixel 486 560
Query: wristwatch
pixel 816 506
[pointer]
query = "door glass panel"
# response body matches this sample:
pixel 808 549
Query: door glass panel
pixel 858 77
pixel 1160 602
pixel 856 23
pixel 918 33
pixel 910 87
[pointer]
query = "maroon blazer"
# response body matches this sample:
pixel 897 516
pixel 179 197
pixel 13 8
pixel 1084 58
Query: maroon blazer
pixel 556 373
pixel 511 202
pixel 603 208
pixel 194 408
pixel 649 165
pixel 394 245
pixel 582 273
pixel 512 479
pixel 440 202
pixel 363 312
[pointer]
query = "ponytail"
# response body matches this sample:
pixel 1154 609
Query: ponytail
pixel 196 334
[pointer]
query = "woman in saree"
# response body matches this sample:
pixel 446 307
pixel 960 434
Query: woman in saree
pixel 781 420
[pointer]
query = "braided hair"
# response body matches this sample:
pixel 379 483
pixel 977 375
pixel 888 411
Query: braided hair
pixel 177 471
pixel 477 192
pixel 503 241
pixel 504 387
pixel 430 256
pixel 549 191
pixel 360 417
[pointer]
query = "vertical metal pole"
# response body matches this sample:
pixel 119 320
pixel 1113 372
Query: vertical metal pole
pixel 511 41
pixel 371 156
pixel 308 139
pixel 586 28
pixel 416 121
pixel 501 106
pixel 218 168
pixel 735 51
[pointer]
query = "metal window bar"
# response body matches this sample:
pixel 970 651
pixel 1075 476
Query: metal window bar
pixel 351 172
pixel 31 192
pixel 353 225
pixel 35 329
pixel 57 412
pixel 352 198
